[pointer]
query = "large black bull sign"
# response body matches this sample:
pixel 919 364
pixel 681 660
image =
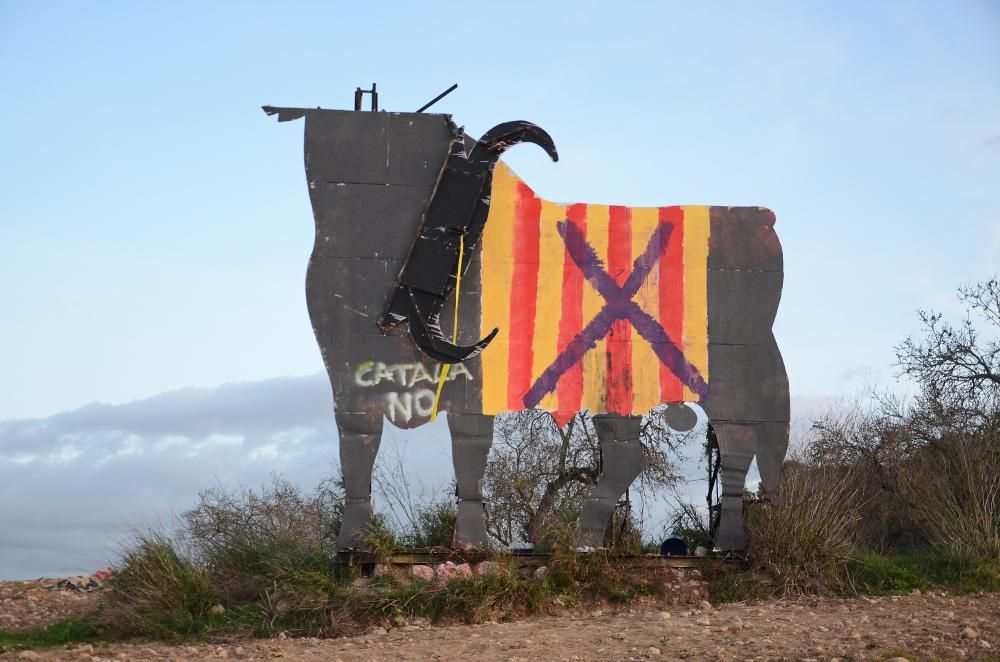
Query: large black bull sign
pixel 568 307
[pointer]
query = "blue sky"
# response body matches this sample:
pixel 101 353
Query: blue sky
pixel 155 226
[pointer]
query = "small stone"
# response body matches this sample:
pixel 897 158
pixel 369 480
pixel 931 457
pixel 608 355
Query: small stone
pixel 855 635
pixel 705 605
pixel 703 620
pixel 915 591
pixel 985 645
pixel 823 628
pixel 665 615
pixel 28 655
pixel 969 633
pixel 700 551
pixel 542 572
pixel 896 659
pixel 653 650
pixel 217 609
pixel 424 572
pixel 483 567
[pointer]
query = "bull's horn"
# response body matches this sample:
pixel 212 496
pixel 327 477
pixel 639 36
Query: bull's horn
pixel 425 329
pixel 498 139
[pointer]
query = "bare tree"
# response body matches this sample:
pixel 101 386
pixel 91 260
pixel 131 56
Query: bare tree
pixel 956 367
pixel 539 474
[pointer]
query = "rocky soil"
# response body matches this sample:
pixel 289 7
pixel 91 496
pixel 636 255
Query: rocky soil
pixel 914 627
pixel 37 602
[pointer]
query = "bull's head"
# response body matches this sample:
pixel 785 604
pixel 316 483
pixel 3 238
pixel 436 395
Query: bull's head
pixel 454 219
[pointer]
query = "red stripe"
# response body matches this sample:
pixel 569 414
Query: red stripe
pixel 671 280
pixel 523 294
pixel 570 387
pixel 619 357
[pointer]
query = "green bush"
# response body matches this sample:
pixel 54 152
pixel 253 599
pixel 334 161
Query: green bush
pixel 156 592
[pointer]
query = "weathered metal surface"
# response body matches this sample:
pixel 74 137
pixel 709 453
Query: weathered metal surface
pixel 610 309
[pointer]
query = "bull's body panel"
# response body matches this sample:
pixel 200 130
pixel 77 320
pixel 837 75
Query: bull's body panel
pixel 702 332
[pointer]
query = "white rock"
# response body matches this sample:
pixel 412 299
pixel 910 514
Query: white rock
pixel 424 572
pixel 665 615
pixel 969 633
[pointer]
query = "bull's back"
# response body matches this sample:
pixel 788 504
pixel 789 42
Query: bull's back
pixel 686 317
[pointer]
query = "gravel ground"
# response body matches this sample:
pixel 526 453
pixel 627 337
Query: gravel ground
pixel 917 627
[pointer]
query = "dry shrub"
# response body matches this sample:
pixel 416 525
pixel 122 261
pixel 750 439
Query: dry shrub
pixel 804 540
pixel 953 488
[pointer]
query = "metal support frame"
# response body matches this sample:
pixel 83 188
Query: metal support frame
pixel 359 97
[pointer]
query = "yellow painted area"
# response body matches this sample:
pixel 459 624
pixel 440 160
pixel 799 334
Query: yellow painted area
pixel 645 365
pixel 595 362
pixel 548 310
pixel 497 271
pixel 696 234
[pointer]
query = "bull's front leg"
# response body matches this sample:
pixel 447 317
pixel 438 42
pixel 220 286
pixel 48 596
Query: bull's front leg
pixel 360 435
pixel 622 460
pixel 471 439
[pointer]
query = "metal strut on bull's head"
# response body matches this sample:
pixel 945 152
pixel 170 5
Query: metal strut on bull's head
pixel 457 211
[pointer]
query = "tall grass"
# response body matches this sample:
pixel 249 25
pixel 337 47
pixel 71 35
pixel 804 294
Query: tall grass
pixel 157 592
pixel 805 540
pixel 953 489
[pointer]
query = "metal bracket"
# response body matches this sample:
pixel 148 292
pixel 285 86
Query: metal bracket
pixel 359 96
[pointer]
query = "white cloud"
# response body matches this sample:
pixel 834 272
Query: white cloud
pixel 74 485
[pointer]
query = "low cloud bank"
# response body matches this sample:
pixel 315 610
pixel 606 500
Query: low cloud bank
pixel 74 485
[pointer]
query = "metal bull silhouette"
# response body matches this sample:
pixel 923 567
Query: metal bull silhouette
pixel 605 308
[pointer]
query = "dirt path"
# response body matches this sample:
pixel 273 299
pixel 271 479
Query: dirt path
pixel 915 626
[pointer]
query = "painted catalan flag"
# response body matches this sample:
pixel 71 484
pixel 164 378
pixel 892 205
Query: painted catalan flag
pixel 599 307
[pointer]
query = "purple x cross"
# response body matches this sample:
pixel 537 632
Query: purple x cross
pixel 618 306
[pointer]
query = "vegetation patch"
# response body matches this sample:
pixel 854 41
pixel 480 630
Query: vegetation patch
pixel 69 631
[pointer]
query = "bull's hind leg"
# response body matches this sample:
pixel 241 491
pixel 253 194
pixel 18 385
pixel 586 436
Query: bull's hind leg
pixel 738 443
pixel 471 439
pixel 772 444
pixel 360 435
pixel 622 461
